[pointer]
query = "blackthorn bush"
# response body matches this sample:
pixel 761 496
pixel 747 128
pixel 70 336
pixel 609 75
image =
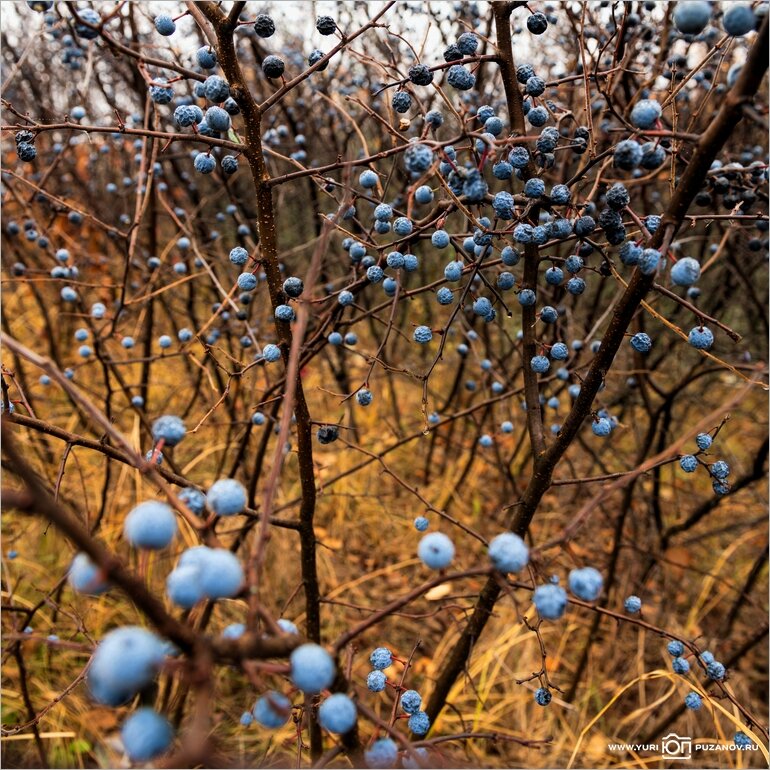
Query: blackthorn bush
pixel 383 384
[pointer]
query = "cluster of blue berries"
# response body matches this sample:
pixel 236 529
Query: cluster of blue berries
pixel 718 470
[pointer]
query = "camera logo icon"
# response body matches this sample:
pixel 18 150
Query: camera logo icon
pixel 676 746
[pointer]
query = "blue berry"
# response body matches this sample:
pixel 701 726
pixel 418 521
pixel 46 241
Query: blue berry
pixel 402 226
pixel 688 463
pixel 693 701
pixel 312 668
pixel 368 179
pixel 453 271
pixel 85 577
pixel 293 286
pixel 284 313
pixel 534 86
pixel 226 497
pixel 264 26
pixel 423 195
pixel 534 188
pixel 163 24
pixel 701 338
pixel 194 499
pixel 272 710
pixel 482 307
pixel 419 723
pixel 510 256
pixel 554 276
pixel 273 66
pixel 337 714
pixel 560 194
pixel 617 199
pixel 680 666
pixel 271 353
pixel 420 75
pixel 502 170
pixel 542 696
pixel 738 19
pixel 325 25
pixel 550 601
pixel 187 115
pixel 436 550
pixel 519 157
pixel 314 57
pixel 26 152
pixel 523 233
pixel 539 364
pixel 506 281
pixel 216 89
pixel 720 470
pixel 247 281
pixel 364 397
pixel 740 739
pixel 418 158
pixel 247 718
pixel 641 342
pixel 601 427
pixel 161 93
pixel 169 428
pixel 584 225
pixel 204 163
pixel 124 662
pixel 219 571
pixel 229 165
pixel 440 239
pixel 527 298
pixel 537 23
pixel 537 116
pixel 633 605
pixel 494 126
pixel 375 681
pixel 146 734
pixel 685 272
pixel 382 754
pixel 675 648
pixel 627 154
pixel 508 552
pixel 645 113
pixel 704 441
pixel 207 57
pixel 420 759
pixel 460 78
pixel 649 261
pixel 150 525
pixel 423 334
pixel 715 670
pixel 401 101
pixel 692 16
pixel 503 204
pixel 467 43
pixel 381 658
pixel 586 583
pixel 411 701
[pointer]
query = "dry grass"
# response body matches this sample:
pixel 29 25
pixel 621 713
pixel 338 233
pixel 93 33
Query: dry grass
pixel 366 557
